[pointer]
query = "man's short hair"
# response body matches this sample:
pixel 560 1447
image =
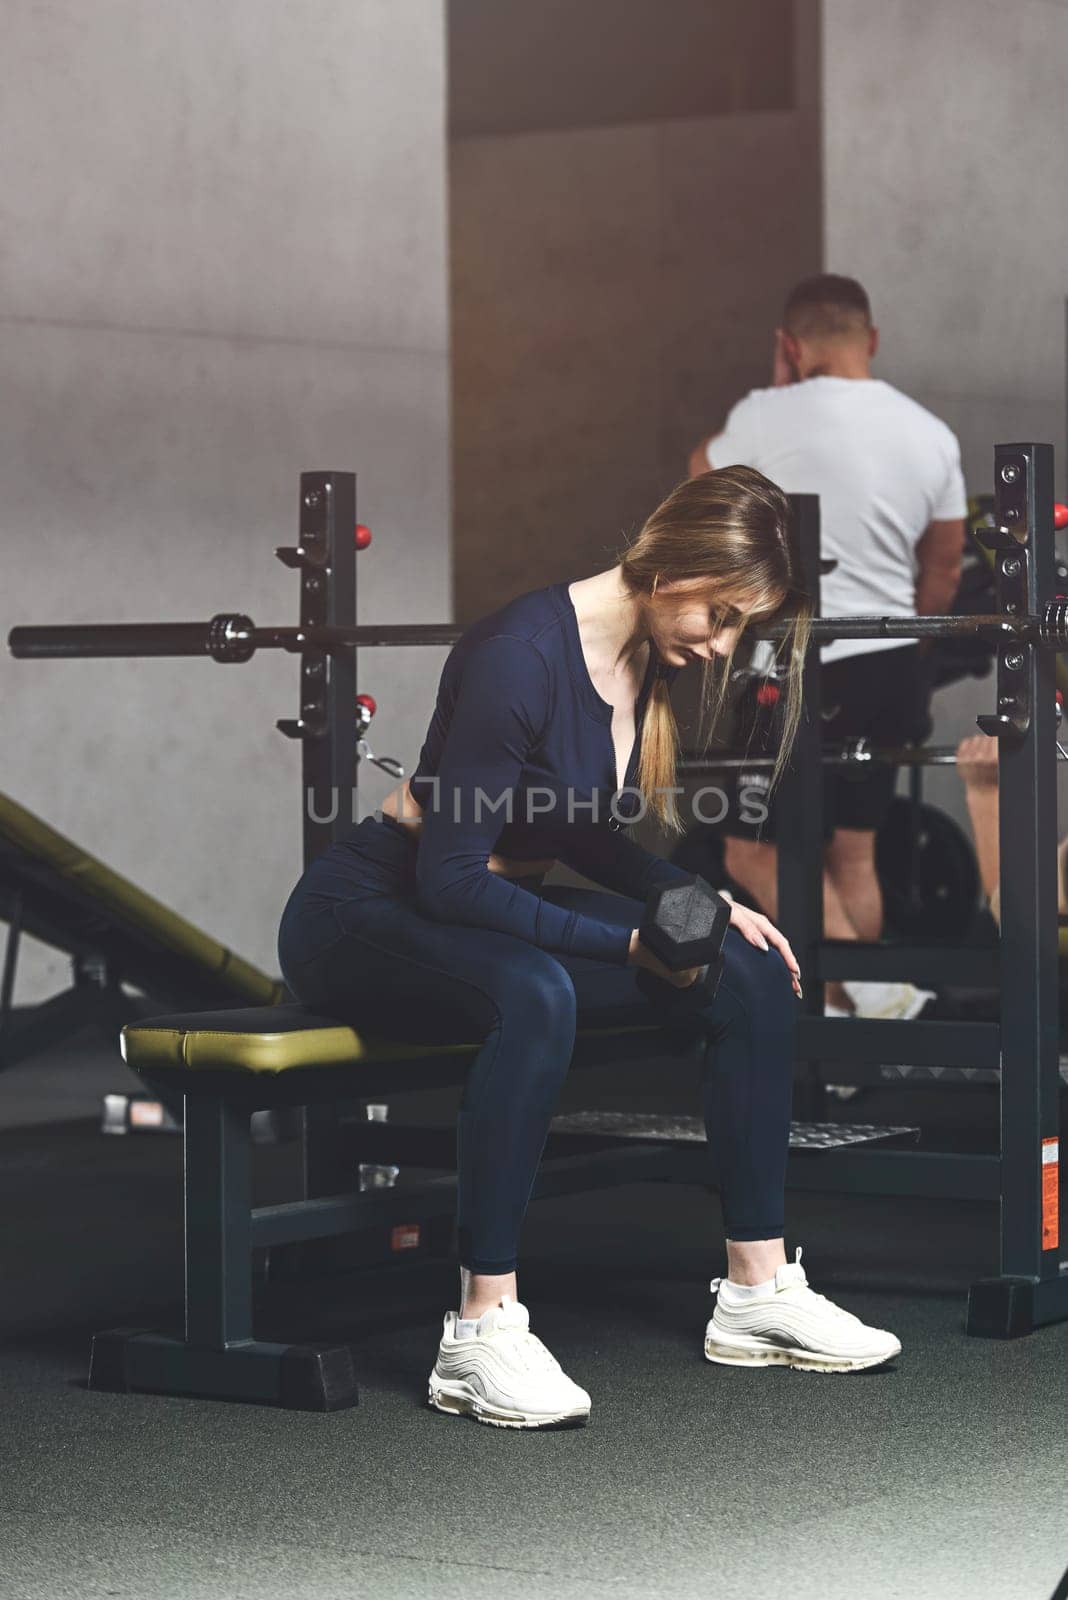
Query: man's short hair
pixel 827 307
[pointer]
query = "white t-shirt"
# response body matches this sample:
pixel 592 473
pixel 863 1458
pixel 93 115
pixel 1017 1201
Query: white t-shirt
pixel 883 467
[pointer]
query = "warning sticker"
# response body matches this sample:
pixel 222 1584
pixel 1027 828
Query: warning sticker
pixel 1050 1195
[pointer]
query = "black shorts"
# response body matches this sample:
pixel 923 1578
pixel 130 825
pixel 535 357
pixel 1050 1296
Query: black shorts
pixel 882 696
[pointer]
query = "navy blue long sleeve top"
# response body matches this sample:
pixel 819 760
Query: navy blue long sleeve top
pixel 519 759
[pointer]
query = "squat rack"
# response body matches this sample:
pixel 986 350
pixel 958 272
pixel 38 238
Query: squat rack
pixel 1032 1286
pixel 1030 625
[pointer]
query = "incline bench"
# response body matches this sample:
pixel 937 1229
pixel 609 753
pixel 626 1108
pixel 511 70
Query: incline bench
pixel 55 891
pixel 228 1064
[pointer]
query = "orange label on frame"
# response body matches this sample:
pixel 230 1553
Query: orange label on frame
pixel 405 1236
pixel 1050 1194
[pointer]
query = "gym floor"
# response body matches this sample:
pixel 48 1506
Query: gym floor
pixel 942 1476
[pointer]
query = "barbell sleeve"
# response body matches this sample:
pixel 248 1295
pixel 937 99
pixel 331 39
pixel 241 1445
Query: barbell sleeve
pixel 111 639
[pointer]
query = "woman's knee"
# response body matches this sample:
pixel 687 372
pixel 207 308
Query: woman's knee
pixel 759 979
pixel 540 995
pixel 535 1010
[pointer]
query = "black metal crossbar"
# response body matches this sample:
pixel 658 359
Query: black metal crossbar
pixel 232 638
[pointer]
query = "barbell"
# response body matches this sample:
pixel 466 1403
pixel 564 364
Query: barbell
pixel 233 637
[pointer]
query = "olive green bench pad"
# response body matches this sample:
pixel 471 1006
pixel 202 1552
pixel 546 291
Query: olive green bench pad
pixel 264 1041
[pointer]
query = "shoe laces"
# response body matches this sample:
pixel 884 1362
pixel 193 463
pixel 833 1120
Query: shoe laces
pixel 828 1306
pixel 813 1294
pixel 514 1323
pixel 533 1354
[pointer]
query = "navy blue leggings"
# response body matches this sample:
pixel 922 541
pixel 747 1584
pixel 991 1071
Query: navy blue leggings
pixel 352 943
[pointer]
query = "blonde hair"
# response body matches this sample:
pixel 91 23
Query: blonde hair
pixel 731 530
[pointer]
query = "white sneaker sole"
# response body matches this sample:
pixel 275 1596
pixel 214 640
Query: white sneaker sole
pixel 745 1351
pixel 459 1399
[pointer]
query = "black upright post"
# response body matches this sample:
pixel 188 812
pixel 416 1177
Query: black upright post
pixel 799 804
pixel 1025 723
pixel 327 552
pixel 327 546
pixel 218 1223
pixel 1028 786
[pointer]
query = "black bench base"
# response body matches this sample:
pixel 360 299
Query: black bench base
pixel 294 1376
pixel 1001 1308
pixel 1006 1308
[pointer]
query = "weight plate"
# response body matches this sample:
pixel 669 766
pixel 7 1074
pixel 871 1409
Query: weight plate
pixel 928 873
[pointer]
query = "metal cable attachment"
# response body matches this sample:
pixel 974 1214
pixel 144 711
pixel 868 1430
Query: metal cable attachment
pixel 230 637
pixel 1053 624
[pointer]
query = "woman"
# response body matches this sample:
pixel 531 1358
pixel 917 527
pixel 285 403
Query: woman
pixel 553 721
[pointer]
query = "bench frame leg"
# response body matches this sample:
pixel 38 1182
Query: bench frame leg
pixel 218 1356
pixel 217 1189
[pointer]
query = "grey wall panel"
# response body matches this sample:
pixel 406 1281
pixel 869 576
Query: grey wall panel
pixel 558 64
pixel 740 224
pixel 223 263
pixel 252 168
pixel 555 245
pixel 614 291
pixel 946 135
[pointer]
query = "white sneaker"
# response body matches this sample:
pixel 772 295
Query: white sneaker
pixel 889 1002
pixel 503 1374
pixel 791 1325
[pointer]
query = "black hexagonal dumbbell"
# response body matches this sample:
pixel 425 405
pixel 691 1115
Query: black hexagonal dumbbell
pixel 684 925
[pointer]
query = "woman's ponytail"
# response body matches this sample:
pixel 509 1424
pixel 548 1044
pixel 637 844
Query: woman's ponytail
pixel 659 754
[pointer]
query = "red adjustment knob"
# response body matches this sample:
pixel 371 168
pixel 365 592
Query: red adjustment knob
pixel 1060 700
pixel 767 694
pixel 368 703
pixel 363 536
pixel 1060 515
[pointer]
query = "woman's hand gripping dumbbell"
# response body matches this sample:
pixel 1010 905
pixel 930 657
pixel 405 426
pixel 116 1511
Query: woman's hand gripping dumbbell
pixel 679 946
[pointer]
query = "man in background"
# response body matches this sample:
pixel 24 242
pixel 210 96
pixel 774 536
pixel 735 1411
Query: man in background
pixel 892 518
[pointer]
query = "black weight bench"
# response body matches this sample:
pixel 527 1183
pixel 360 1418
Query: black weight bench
pixel 227 1064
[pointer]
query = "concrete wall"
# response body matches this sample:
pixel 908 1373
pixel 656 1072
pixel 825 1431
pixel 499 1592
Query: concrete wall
pixel 945 138
pixel 558 64
pixel 223 262
pixel 614 289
